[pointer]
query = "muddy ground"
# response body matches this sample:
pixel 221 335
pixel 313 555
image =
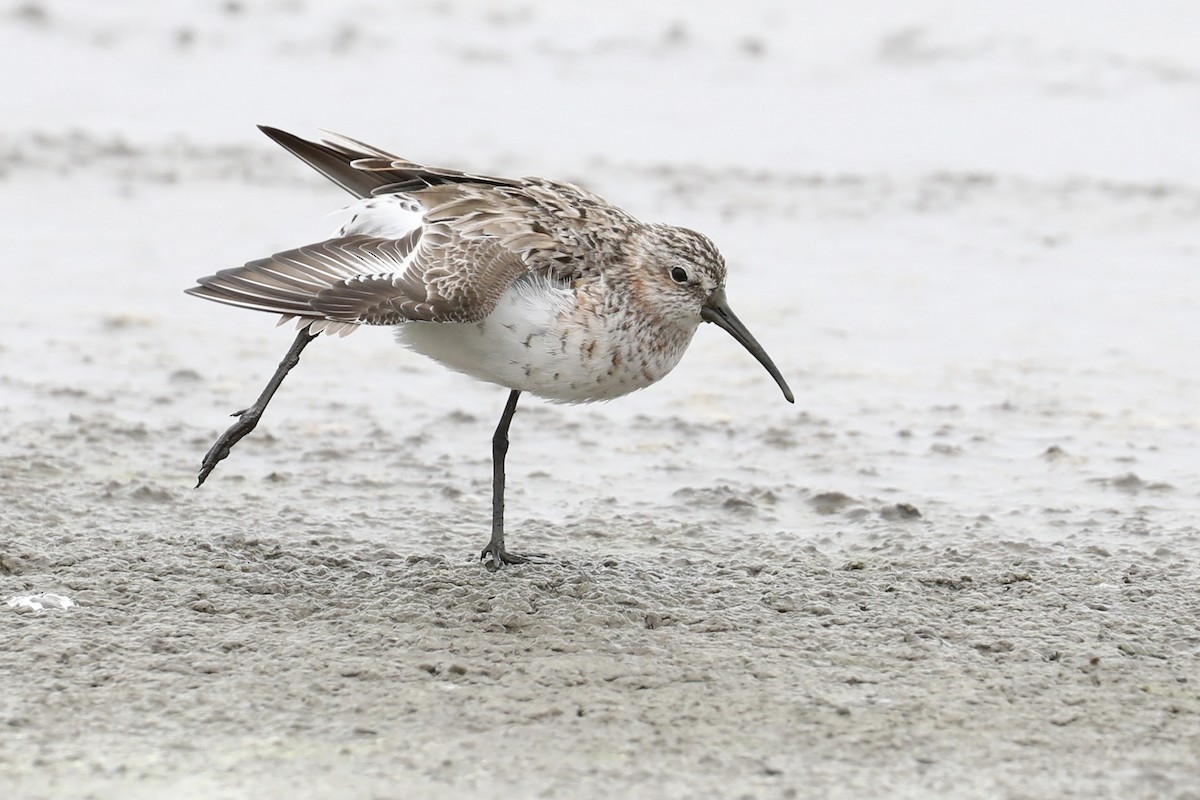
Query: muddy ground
pixel 964 564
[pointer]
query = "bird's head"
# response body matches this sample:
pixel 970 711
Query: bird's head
pixel 686 274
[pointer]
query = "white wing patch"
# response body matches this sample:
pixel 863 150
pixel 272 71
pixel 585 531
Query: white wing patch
pixel 388 216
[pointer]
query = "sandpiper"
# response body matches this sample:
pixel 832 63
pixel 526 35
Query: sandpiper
pixel 535 285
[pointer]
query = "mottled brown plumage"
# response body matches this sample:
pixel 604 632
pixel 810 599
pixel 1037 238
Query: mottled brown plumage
pixel 532 284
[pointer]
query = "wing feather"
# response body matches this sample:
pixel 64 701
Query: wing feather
pixel 363 280
pixel 364 170
pixel 476 235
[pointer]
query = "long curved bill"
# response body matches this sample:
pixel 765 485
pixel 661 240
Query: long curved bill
pixel 717 311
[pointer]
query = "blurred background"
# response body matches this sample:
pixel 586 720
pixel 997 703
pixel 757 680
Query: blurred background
pixel 1061 89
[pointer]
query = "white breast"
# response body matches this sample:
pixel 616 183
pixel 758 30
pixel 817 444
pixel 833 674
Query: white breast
pixel 538 341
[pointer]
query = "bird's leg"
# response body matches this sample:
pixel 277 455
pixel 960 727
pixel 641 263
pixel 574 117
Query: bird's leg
pixel 494 555
pixel 249 417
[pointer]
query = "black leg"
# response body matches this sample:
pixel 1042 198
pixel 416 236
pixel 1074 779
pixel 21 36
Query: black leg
pixel 249 417
pixel 494 555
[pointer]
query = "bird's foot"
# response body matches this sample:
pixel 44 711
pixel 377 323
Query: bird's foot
pixel 495 556
pixel 249 417
pixel 247 420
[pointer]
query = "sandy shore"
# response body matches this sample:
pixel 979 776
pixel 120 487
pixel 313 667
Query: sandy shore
pixel 963 565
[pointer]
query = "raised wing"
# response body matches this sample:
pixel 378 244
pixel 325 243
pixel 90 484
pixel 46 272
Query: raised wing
pixel 476 235
pixel 461 283
pixel 363 280
pixel 364 170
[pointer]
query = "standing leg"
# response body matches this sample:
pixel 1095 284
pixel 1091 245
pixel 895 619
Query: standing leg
pixel 248 417
pixel 494 555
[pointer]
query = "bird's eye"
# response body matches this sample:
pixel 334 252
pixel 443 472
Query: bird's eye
pixel 679 275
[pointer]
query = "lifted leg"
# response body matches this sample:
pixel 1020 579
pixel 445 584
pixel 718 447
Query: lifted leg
pixel 249 417
pixel 494 555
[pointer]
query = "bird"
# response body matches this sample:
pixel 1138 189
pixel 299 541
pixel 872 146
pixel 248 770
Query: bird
pixel 538 286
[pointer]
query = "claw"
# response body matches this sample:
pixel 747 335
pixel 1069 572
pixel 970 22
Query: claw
pixel 493 558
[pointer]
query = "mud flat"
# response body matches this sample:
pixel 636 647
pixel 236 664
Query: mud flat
pixel 963 565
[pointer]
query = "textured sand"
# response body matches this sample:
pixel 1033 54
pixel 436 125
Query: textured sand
pixel 963 565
